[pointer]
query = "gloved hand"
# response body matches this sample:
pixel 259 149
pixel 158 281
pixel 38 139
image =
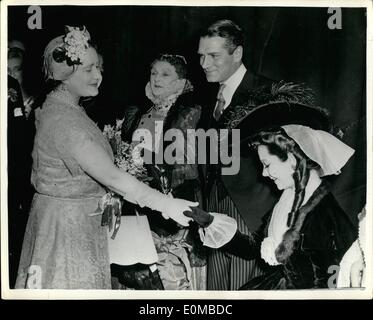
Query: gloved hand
pixel 170 207
pixel 176 209
pixel 203 218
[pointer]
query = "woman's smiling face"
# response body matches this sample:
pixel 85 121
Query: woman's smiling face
pixel 84 82
pixel 281 172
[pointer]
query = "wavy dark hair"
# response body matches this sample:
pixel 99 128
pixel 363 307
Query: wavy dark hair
pixel 227 29
pixel 280 144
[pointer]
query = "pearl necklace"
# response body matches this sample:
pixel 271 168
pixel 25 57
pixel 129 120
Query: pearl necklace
pixel 66 97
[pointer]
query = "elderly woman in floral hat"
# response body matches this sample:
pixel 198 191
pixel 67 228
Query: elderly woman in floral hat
pixel 65 246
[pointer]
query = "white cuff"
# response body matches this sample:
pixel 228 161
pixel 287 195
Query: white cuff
pixel 268 251
pixel 219 232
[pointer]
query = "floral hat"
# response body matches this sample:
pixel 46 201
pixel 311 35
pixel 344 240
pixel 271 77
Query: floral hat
pixel 64 53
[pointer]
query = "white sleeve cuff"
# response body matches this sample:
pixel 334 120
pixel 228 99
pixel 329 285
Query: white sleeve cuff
pixel 219 232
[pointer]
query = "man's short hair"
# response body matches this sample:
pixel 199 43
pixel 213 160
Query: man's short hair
pixel 228 30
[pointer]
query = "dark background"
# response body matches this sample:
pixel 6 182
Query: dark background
pixel 292 44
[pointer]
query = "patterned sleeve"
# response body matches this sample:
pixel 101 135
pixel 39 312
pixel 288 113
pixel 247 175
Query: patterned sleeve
pixel 70 134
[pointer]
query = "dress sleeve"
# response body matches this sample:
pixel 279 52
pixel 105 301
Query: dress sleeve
pixel 70 135
pixel 219 232
pixel 248 246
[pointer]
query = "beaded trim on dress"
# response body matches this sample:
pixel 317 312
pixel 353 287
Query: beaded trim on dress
pixel 66 97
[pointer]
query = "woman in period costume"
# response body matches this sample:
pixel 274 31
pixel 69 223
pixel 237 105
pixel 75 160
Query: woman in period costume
pixel 65 246
pixel 307 232
pixel 171 105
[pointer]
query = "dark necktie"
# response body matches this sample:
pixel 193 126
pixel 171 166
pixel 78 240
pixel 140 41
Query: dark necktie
pixel 220 103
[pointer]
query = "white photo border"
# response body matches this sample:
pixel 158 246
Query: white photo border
pixel 14 294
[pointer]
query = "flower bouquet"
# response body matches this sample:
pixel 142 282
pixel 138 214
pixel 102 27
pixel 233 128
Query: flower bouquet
pixel 133 243
pixel 128 159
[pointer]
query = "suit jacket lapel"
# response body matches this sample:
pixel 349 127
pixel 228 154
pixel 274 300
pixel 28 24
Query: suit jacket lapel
pixel 238 97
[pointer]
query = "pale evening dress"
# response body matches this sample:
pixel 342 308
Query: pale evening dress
pixel 64 246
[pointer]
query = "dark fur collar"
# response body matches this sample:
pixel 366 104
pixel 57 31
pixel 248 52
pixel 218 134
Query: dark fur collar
pixel 291 236
pixel 312 202
pixel 133 114
pixel 184 102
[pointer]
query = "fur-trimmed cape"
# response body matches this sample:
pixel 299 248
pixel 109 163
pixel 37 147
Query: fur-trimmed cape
pixel 292 236
pixel 321 234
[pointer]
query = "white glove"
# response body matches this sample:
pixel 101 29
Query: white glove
pixel 168 206
pixel 164 215
pixel 175 208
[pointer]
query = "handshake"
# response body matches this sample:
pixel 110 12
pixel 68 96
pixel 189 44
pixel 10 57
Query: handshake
pixel 203 218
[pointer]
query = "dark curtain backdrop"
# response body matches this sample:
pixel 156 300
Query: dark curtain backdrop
pixel 292 44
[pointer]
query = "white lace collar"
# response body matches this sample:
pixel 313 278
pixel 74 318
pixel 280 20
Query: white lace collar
pixel 170 97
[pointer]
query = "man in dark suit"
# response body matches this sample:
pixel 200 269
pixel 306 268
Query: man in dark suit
pixel 19 163
pixel 244 196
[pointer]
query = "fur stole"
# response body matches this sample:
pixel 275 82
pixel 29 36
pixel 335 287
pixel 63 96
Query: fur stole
pixel 181 107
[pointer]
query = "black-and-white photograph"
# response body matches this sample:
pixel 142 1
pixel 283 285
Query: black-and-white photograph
pixel 185 148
